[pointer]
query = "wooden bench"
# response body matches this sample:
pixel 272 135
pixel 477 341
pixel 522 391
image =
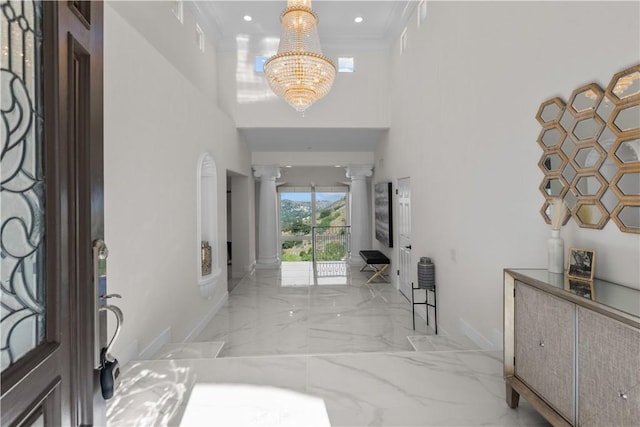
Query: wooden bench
pixel 374 259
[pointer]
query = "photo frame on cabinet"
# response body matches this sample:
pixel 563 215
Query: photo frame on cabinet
pixel 581 264
pixel 583 288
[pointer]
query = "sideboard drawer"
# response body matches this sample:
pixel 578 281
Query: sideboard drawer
pixel 609 371
pixel 544 346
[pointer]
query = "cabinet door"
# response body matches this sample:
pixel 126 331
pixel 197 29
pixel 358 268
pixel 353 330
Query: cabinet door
pixel 544 346
pixel 608 371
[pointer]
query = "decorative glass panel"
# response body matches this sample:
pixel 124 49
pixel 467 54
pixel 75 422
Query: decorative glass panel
pixel 22 308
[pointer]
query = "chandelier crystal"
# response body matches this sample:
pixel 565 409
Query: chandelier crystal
pixel 299 72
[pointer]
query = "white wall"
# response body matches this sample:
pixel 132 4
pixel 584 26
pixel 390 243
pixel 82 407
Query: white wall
pixel 463 111
pixel 316 158
pixel 357 100
pixel 159 119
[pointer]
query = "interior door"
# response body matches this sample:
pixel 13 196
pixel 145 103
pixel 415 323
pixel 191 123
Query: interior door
pixel 404 236
pixel 51 210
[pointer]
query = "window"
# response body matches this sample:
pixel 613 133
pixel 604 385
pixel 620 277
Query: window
pixel 178 10
pixel 345 64
pixel 301 209
pixel 422 12
pixel 200 38
pixel 259 65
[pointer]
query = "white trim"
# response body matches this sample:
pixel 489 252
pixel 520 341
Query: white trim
pixel 129 353
pixel 207 286
pixel 195 332
pixel 403 41
pixel 475 336
pixel 422 12
pixel 250 267
pixel 199 38
pixel 155 345
pixel 178 10
pixel 206 169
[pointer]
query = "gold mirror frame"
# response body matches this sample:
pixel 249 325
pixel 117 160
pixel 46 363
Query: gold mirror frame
pixel 608 169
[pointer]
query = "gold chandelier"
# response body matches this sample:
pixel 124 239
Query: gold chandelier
pixel 299 72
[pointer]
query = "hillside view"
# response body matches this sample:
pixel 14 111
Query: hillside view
pixel 295 220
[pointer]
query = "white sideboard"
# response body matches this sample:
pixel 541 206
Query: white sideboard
pixel 572 349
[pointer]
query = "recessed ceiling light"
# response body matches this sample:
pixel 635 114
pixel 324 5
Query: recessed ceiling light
pixel 247 18
pixel 358 19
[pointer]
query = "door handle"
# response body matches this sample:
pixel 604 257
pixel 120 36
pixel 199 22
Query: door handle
pixel 408 247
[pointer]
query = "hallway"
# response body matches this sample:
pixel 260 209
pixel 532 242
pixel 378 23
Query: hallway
pixel 350 345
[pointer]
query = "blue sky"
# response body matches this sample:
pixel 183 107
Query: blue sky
pixel 306 197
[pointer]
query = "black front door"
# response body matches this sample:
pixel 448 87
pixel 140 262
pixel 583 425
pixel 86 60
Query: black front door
pixel 51 210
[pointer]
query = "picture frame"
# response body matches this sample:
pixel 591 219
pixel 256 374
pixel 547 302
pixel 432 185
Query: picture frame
pixel 583 288
pixel 384 213
pixel 581 264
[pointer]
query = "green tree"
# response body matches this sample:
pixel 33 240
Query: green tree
pixel 288 244
pixel 300 227
pixel 333 251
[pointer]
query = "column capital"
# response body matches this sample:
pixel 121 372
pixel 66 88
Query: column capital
pixel 359 171
pixel 266 172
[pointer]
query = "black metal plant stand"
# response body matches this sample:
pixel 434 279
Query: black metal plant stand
pixel 427 289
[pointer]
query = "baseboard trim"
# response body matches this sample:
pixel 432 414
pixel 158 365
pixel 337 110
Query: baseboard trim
pixel 250 267
pixel 129 353
pixel 475 336
pixel 155 345
pixel 206 319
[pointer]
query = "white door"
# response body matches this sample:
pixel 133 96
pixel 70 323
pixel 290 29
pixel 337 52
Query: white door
pixel 404 236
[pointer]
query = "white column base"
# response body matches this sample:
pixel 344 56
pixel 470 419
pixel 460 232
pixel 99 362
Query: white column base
pixel 268 264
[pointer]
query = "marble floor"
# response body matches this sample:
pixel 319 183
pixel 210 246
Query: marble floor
pixel 291 348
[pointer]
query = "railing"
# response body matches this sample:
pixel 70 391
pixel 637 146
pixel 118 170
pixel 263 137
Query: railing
pixel 331 243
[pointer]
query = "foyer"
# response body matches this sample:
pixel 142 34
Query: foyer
pixel 346 351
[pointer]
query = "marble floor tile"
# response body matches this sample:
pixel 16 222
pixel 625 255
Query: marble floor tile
pixel 393 389
pixel 294 315
pixel 194 350
pixel 349 348
pixel 441 343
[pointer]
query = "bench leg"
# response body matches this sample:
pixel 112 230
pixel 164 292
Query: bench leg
pixel 379 272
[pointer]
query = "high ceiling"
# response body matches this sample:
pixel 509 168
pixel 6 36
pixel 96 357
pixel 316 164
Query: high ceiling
pixel 382 20
pixel 382 24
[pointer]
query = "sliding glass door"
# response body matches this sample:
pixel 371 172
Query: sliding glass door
pixel 301 209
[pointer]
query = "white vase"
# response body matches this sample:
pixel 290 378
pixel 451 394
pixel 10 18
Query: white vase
pixel 555 251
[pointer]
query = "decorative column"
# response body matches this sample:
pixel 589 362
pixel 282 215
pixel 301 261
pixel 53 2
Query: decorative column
pixel 267 217
pixel 360 211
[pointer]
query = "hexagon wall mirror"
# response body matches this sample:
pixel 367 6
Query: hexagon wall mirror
pixel 625 119
pixel 627 151
pixel 550 111
pixel 590 185
pixel 587 129
pixel 627 217
pixel 626 184
pixel 591 215
pixel 625 85
pixel 551 137
pixel 585 99
pixel 589 158
pixel 591 152
pixel 553 162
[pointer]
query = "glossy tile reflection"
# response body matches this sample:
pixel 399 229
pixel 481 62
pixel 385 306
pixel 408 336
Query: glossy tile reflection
pixel 457 388
pixel 296 311
pixel 347 349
